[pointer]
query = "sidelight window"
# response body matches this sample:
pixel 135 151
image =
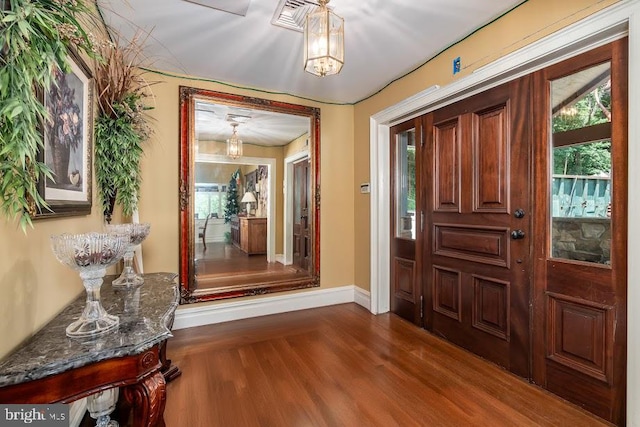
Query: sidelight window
pixel 406 184
pixel 581 166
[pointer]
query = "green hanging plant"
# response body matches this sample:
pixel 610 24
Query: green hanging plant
pixel 117 158
pixel 121 126
pixel 35 38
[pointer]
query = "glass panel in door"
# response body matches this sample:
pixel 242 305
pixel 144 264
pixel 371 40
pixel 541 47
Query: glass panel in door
pixel 406 184
pixel 581 171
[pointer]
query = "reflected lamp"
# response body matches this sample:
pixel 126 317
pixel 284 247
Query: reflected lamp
pixel 248 198
pixel 234 144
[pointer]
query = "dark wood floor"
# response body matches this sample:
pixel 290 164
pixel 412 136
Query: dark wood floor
pixel 342 366
pixel 224 264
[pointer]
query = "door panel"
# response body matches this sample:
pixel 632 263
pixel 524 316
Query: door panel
pixel 490 310
pixel 580 246
pixel 578 335
pixel 406 288
pixel 487 245
pixel 405 280
pixel 447 292
pixel 478 288
pixel 301 202
pixel 490 161
pixel 446 175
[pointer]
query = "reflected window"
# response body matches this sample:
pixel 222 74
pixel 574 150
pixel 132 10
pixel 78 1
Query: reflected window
pixel 210 198
pixel 581 166
pixel 406 184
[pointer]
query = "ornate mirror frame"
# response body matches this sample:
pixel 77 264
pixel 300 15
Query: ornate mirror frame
pixel 188 98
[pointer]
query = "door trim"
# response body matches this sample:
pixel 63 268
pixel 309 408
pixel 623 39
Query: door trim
pixel 598 29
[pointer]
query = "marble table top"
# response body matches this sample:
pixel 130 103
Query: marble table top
pixel 144 315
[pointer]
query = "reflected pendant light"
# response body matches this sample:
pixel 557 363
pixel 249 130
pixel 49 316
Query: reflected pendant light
pixel 234 144
pixel 323 41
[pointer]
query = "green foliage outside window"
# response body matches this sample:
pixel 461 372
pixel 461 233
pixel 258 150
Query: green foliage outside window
pixel 411 172
pixel 590 158
pixel 211 198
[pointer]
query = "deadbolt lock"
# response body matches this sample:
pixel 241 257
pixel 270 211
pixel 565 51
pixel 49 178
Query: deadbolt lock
pixel 517 234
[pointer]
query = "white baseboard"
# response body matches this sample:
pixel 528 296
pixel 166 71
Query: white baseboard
pixel 198 315
pixel 280 258
pixel 362 297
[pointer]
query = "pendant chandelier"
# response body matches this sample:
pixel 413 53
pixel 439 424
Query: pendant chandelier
pixel 234 144
pixel 323 41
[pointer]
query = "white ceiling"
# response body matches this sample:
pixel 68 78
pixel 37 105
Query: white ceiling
pixel 384 40
pixel 259 127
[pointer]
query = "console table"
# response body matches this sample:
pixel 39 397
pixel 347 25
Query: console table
pixel 51 368
pixel 249 234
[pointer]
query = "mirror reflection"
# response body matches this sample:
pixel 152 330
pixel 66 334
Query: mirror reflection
pixel 250 224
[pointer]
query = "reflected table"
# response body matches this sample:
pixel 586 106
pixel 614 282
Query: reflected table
pixel 50 367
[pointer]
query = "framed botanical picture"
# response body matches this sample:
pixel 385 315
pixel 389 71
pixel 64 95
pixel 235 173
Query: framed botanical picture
pixel 68 136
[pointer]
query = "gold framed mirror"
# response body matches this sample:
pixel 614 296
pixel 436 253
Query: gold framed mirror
pixel 250 222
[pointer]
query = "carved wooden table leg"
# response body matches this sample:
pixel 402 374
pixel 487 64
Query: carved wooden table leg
pixel 171 372
pixel 147 398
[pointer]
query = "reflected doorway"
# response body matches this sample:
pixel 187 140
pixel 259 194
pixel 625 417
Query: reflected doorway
pixel 235 237
pixel 301 203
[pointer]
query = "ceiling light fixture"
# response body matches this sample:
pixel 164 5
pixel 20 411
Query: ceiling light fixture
pixel 323 41
pixel 234 144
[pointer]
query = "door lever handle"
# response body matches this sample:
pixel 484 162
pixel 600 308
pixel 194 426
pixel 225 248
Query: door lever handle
pixel 517 234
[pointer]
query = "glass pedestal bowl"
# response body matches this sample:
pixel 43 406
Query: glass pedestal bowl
pixel 137 233
pixel 90 254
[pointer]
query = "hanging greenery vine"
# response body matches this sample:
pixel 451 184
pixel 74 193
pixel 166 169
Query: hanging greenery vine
pixel 121 126
pixel 35 37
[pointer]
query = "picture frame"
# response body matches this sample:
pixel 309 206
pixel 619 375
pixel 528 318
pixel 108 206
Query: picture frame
pixel 250 181
pixel 68 142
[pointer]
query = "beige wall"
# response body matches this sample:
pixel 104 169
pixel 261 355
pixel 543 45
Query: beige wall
pixel 522 26
pixel 297 145
pixel 159 192
pixel 33 284
pixel 218 173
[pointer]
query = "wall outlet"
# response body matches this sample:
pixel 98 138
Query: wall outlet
pixel 456 65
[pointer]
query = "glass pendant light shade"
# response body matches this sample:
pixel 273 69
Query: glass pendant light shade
pixel 234 144
pixel 323 42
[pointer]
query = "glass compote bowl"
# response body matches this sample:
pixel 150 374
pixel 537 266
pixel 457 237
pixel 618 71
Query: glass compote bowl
pixel 137 233
pixel 90 254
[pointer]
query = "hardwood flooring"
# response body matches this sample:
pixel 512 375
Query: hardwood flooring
pixel 342 366
pixel 225 265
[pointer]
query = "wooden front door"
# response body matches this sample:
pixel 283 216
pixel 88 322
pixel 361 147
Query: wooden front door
pixel 477 261
pixel 301 203
pixel 406 224
pixel 581 230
